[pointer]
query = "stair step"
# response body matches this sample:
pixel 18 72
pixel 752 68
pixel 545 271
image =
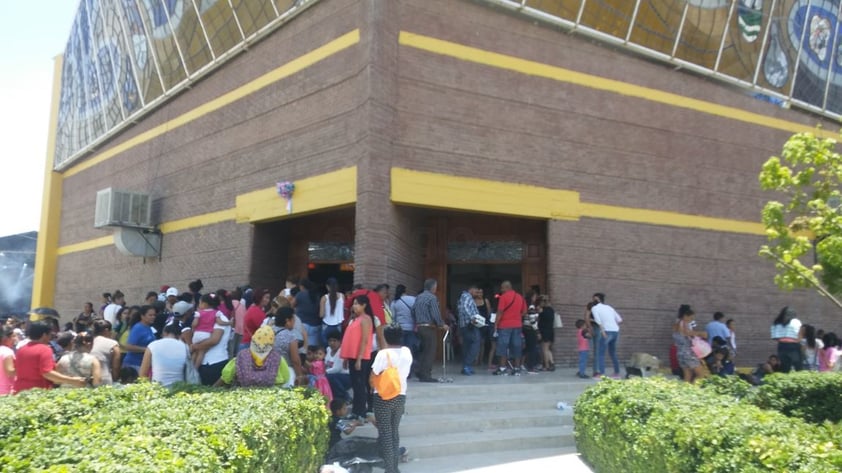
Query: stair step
pixel 481 406
pixel 502 386
pixel 418 425
pixel 462 443
pixel 550 459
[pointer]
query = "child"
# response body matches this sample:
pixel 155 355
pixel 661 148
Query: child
pixel 829 355
pixel 388 412
pixel 719 363
pixel 338 424
pixel 203 323
pixel 583 346
pixel 316 367
pixel 337 374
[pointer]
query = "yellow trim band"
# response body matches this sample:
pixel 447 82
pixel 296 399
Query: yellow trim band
pixel 444 191
pixel 427 189
pixel 296 65
pixel 327 191
pixel 196 221
pixel 669 219
pixel 46 249
pixel 86 245
pixel 546 71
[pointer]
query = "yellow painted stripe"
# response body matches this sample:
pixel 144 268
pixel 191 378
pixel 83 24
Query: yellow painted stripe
pixel 444 191
pixel 46 249
pixel 669 219
pixel 318 193
pixel 86 245
pixel 537 69
pixel 198 221
pixel 296 65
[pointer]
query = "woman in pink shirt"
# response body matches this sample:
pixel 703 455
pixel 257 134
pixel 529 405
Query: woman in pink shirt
pixel 583 346
pixel 239 312
pixel 8 339
pixel 829 355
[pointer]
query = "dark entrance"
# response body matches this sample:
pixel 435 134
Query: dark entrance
pixel 486 276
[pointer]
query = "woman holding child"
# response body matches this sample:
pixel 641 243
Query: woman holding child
pixel 682 336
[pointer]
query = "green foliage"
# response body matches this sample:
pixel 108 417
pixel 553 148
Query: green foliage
pixel 655 425
pixel 813 397
pixel 808 178
pixel 731 386
pixel 147 428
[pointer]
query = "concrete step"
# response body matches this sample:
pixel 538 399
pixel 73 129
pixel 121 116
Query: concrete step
pixel 562 459
pixel 482 404
pixel 420 425
pixel 443 444
pixel 502 386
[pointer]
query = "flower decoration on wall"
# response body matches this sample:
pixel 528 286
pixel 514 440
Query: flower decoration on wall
pixel 285 190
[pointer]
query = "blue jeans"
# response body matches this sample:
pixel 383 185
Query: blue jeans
pixel 583 361
pixel 610 342
pixel 509 343
pixel 340 383
pixel 314 334
pixel 470 345
pixel 595 341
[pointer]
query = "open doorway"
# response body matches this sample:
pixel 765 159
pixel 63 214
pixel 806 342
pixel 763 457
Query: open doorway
pixel 319 273
pixel 487 276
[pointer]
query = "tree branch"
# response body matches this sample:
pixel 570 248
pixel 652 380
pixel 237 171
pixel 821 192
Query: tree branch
pixel 822 290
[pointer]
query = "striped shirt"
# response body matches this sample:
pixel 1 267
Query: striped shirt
pixel 426 309
pixel 786 331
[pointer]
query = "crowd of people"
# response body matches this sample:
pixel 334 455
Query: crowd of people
pixel 697 353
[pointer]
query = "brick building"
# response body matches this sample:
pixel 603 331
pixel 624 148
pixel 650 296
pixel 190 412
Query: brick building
pixel 470 141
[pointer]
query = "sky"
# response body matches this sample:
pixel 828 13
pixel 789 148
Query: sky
pixel 32 33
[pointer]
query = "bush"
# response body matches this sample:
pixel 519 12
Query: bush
pixel 147 428
pixel 807 395
pixel 731 386
pixel 654 425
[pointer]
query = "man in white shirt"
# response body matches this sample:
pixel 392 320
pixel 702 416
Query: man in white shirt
pixel 118 300
pixel 609 325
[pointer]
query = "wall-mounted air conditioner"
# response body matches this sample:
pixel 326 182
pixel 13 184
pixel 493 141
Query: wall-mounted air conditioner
pixel 115 208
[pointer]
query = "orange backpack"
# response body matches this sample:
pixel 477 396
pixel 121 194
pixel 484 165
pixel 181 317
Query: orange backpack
pixel 388 382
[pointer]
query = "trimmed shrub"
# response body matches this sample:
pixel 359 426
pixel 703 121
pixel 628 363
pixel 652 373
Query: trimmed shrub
pixel 147 428
pixel 655 425
pixel 807 395
pixel 731 386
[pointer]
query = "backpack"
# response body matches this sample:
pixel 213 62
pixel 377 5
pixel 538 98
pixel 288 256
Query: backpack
pixel 388 382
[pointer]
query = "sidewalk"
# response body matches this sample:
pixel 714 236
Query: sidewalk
pixel 568 463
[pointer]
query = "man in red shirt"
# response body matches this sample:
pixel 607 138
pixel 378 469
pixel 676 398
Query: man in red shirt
pixel 510 311
pixel 35 364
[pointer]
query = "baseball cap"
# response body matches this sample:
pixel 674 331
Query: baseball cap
pixel 180 308
pixel 172 292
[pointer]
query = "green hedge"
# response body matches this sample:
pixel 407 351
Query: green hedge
pixel 814 397
pixel 655 425
pixel 147 428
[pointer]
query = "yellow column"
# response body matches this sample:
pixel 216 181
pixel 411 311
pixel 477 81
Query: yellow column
pixel 46 257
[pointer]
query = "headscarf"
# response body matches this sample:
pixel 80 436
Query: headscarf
pixel 262 343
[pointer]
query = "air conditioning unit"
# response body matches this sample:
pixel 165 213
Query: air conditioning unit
pixel 115 208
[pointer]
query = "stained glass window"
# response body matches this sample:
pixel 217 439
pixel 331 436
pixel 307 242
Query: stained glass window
pixel 464 251
pixel 122 54
pixel 330 251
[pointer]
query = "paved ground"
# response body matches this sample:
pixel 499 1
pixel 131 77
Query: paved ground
pixel 567 463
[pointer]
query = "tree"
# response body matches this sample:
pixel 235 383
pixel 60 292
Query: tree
pixel 804 229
